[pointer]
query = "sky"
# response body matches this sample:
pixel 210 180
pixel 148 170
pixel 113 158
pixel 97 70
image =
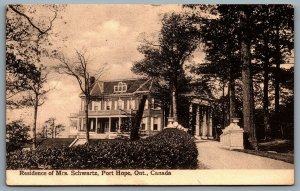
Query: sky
pixel 110 34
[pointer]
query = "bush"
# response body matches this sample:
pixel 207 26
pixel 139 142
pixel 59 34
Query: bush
pixel 169 149
pixel 16 135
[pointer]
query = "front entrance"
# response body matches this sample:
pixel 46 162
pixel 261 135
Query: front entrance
pixel 103 125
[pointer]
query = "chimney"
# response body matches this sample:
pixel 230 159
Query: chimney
pixel 92 80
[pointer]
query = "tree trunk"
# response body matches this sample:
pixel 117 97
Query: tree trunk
pixel 223 108
pixel 266 93
pixel 34 122
pixel 134 133
pixel 277 86
pixel 248 99
pixel 174 103
pixel 231 90
pixel 87 129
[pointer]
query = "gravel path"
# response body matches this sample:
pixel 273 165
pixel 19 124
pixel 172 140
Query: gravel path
pixel 213 156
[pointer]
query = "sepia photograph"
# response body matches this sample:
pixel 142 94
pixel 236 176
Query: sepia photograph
pixel 149 94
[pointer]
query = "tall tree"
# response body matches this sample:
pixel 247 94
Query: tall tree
pixel 165 57
pixel 80 69
pixel 134 133
pixel 222 52
pixel 248 96
pixel 26 41
pixel 36 96
pixel 283 26
pixel 273 44
pixel 51 128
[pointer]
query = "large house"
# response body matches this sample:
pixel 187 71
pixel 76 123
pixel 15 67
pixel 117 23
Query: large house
pixel 114 104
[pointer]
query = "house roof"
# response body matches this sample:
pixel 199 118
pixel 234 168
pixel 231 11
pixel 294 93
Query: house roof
pixel 135 85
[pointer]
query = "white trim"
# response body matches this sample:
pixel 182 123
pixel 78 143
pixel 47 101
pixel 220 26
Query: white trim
pixel 151 123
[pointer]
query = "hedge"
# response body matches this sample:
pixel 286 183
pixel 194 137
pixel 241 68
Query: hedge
pixel 169 149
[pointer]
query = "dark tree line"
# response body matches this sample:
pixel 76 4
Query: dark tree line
pixel 245 48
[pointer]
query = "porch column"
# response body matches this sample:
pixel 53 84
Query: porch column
pixel 77 126
pixel 96 124
pixel 191 117
pixel 151 123
pixel 210 128
pixel 92 123
pixel 197 127
pixel 204 124
pixel 109 124
pixel 119 125
pixel 82 121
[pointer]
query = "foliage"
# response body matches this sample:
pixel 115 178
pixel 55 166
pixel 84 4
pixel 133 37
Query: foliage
pixel 270 35
pixel 16 135
pixel 50 128
pixel 170 149
pixel 27 38
pixel 164 58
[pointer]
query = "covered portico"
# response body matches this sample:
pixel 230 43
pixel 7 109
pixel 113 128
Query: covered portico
pixel 201 115
pixel 104 126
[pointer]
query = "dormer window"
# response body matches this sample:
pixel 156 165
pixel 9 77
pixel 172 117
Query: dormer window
pixel 121 87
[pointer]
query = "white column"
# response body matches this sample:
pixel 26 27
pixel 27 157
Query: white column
pixel 204 124
pixel 159 128
pixel 197 126
pixel 151 123
pixel 190 115
pixel 146 124
pixel 210 128
pixel 77 126
pixel 109 124
pixel 96 124
pixel 92 123
pixel 119 128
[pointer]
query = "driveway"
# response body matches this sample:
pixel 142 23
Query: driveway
pixel 213 156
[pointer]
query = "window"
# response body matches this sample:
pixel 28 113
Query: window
pixel 143 127
pixel 115 105
pixel 121 87
pixel 132 104
pixel 144 124
pixel 120 104
pixel 107 105
pixel 92 124
pixel 146 104
pixel 155 123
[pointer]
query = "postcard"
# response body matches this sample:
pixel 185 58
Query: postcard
pixel 149 94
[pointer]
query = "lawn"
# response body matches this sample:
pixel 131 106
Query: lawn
pixel 279 149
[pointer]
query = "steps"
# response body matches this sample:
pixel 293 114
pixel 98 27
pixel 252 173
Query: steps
pixel 78 141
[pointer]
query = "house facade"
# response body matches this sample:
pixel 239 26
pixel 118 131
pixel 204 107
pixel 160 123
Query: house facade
pixel 113 106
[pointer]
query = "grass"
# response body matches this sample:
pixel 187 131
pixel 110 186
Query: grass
pixel 286 157
pixel 278 149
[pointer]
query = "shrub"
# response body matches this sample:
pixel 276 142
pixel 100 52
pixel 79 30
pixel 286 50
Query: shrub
pixel 169 149
pixel 16 135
